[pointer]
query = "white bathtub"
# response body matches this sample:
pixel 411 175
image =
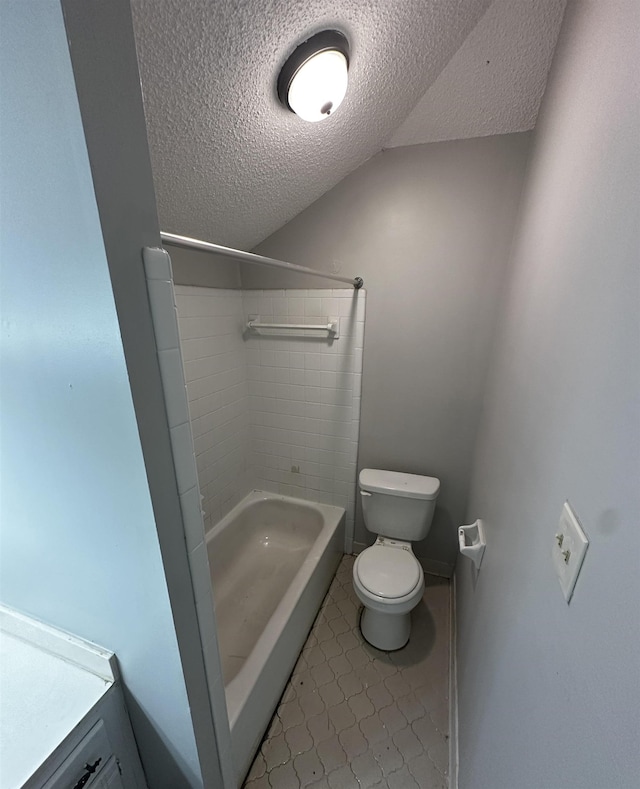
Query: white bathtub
pixel 272 559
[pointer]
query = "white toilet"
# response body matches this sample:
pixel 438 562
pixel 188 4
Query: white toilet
pixel 387 577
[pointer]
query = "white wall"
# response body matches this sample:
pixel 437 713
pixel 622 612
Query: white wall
pixel 103 56
pixel 202 269
pixel 213 350
pixel 549 692
pixel 79 543
pixel 429 228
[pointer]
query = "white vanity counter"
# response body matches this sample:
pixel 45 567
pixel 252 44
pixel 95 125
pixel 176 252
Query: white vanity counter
pixel 55 689
pixel 42 699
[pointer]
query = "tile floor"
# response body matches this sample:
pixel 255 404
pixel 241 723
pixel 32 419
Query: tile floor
pixel 352 716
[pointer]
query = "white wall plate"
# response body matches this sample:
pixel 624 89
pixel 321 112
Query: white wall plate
pixel 569 548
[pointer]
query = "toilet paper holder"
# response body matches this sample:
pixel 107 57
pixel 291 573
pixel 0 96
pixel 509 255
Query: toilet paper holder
pixel 472 541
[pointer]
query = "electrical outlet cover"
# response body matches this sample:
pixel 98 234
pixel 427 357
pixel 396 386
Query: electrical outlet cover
pixel 569 549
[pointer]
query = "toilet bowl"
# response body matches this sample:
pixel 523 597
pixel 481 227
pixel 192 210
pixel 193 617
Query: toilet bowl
pixel 389 582
pixel 387 577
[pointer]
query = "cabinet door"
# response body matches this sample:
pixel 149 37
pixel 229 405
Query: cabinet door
pixel 82 758
pixel 85 762
pixel 108 778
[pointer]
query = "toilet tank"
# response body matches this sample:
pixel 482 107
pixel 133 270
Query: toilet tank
pixel 398 505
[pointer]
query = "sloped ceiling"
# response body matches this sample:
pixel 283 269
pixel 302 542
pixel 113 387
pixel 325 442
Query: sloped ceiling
pixel 231 165
pixel 495 81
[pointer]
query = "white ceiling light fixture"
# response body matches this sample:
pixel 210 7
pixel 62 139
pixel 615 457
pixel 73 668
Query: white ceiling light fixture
pixel 314 79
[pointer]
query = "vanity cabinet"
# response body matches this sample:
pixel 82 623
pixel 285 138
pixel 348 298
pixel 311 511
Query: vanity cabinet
pixel 99 754
pixel 63 720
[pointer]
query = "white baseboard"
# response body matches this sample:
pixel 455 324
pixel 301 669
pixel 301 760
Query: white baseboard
pixel 453 690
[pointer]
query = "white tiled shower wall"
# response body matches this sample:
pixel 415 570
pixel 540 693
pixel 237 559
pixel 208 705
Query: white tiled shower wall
pixel 291 400
pixel 304 394
pixel 211 324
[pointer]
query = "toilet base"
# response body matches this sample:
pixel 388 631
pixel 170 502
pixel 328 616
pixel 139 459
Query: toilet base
pixel 386 632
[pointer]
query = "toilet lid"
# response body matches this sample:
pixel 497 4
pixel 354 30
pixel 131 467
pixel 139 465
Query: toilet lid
pixel 388 572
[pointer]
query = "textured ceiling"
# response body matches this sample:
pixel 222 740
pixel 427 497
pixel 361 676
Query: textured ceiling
pixel 494 83
pixel 231 165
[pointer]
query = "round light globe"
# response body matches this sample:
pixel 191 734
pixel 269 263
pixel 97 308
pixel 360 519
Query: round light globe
pixel 318 87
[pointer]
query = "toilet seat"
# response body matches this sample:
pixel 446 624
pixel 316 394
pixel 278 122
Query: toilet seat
pixel 388 572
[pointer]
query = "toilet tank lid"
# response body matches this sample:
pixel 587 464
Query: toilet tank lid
pixel 395 483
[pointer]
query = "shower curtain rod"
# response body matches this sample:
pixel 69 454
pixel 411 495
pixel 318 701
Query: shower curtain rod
pixel 249 257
